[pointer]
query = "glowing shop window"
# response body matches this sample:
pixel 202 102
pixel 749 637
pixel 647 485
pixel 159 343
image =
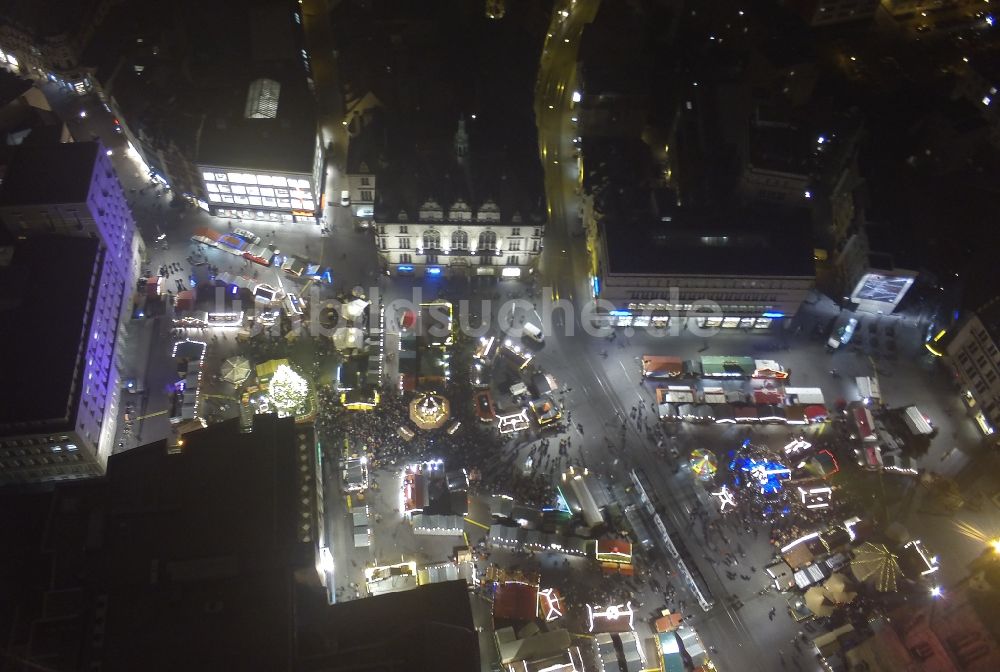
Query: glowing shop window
pixel 253 191
pixel 215 198
pixel 208 177
pixel 254 200
pixel 212 186
pixel 279 181
pixel 220 177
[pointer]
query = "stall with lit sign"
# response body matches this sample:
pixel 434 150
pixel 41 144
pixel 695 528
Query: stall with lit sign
pixel 550 604
pixel 614 555
pixel 610 618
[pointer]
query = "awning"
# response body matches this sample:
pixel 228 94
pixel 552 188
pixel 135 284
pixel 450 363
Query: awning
pixel 714 395
pixel 916 421
pixel 772 413
pixel 723 413
pixel 662 367
pixel 815 412
pixel 668 410
pixel 768 396
pixel 795 414
pixel 704 412
pixel 745 414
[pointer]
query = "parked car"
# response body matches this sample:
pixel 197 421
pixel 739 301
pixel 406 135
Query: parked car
pixel 248 236
pixel 843 335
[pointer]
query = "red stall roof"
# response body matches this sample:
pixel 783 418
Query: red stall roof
pixel 863 419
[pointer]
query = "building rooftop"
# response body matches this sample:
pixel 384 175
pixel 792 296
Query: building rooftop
pixel 50 174
pixel 49 275
pixel 610 65
pixel 284 143
pixel 366 150
pixel 436 66
pixel 759 241
pixel 46 17
pixel 989 315
pixel 200 548
pixel 12 87
pixel 427 628
pixel 779 145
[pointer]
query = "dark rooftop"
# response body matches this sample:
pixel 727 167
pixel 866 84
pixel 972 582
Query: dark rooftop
pixel 432 65
pixel 12 87
pixel 989 315
pixel 780 145
pixel 47 17
pixel 427 628
pixel 286 143
pixel 49 275
pixel 201 548
pixel 366 150
pixel 759 241
pixel 59 173
pixel 609 64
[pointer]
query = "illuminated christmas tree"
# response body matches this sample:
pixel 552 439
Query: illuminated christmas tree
pixel 287 389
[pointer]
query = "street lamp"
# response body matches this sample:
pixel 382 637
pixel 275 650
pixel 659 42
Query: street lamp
pixel 996 545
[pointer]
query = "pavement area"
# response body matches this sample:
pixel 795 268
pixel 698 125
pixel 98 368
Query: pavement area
pixel 599 379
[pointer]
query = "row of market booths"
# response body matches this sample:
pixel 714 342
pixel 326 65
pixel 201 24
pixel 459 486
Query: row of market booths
pixel 671 407
pixel 822 569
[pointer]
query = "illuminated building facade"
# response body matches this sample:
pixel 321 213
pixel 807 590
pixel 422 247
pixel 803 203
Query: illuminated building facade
pixel 655 272
pixel 480 243
pixel 67 429
pixel 972 351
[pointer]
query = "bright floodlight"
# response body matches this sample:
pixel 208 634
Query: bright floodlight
pixel 996 545
pixel 576 96
pixel 109 152
pixel 83 114
pixel 936 591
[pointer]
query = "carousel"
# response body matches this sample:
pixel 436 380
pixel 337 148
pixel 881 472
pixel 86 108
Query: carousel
pixel 429 411
pixel 704 464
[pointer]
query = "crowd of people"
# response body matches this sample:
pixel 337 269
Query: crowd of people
pixel 788 517
pixel 384 435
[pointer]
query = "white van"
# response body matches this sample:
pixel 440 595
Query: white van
pixel 843 335
pixel 534 333
pixel 345 198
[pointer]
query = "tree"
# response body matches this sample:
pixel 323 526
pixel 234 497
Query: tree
pixel 287 389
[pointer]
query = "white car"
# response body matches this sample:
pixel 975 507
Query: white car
pixel 534 333
pixel 843 335
pixel 248 236
pixel 345 198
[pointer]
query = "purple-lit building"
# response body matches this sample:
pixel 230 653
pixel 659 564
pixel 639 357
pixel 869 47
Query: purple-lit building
pixel 70 275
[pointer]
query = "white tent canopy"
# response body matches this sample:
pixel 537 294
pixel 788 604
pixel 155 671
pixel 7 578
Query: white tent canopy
pixel 346 338
pixel 355 309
